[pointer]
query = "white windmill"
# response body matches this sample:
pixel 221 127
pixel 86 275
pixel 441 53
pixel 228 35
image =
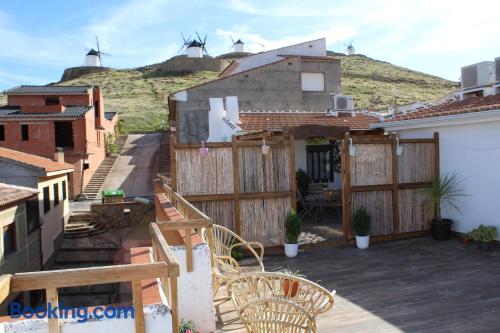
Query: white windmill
pixel 93 57
pixel 194 48
pixel 238 46
pixel 350 50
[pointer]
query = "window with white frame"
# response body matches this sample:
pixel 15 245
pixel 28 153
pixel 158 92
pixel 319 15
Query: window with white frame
pixel 313 81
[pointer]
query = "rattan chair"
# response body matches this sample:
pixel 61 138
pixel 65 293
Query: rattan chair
pixel 274 315
pixel 225 267
pixel 312 297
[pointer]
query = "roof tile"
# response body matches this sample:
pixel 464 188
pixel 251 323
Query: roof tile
pixel 39 90
pixel 10 194
pixel 8 111
pixel 43 163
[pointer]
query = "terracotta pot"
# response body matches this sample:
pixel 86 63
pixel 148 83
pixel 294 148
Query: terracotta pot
pixel 286 288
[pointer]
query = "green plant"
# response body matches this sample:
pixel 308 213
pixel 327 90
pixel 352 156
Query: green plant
pixel 302 182
pixel 361 222
pixel 237 253
pixel 111 146
pixel 444 191
pixel 295 273
pixel 292 227
pixel 187 327
pixel 483 234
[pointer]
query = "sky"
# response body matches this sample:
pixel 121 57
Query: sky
pixel 39 39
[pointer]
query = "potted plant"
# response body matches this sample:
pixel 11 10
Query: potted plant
pixel 292 232
pixel 290 287
pixel 444 191
pixel 362 228
pixel 187 327
pixel 483 236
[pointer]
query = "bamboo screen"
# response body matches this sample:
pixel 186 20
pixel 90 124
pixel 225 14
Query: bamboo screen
pixel 416 164
pixel 372 165
pixel 379 206
pixel 414 212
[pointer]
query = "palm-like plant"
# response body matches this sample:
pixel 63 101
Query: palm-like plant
pixel 444 191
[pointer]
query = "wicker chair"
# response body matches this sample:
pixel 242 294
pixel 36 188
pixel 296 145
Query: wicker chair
pixel 273 315
pixel 225 267
pixel 313 298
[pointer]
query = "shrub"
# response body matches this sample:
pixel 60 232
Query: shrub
pixel 302 182
pixel 187 327
pixel 483 234
pixel 292 227
pixel 111 146
pixel 362 222
pixel 444 191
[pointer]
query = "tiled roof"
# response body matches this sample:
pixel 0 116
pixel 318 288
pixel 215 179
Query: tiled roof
pixel 9 111
pixel 109 115
pixel 255 120
pixel 475 104
pixel 10 194
pixel 42 90
pixel 43 163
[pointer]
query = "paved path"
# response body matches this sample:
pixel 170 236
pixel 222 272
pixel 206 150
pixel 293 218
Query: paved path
pixel 136 167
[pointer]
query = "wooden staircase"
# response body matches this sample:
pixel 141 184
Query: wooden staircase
pixel 82 224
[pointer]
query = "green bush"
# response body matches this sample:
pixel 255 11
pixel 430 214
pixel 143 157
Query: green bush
pixel 187 327
pixel 292 227
pixel 111 146
pixel 483 234
pixel 302 182
pixel 361 222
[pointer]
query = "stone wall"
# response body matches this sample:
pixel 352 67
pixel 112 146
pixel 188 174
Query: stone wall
pixel 185 64
pixel 74 72
pixel 123 214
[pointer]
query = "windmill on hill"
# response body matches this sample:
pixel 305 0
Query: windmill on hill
pixel 350 50
pixel 237 46
pixel 93 58
pixel 194 48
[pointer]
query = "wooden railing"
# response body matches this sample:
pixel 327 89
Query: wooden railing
pixel 51 281
pixel 192 223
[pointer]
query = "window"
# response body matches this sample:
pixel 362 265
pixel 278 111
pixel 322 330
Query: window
pixel 25 133
pixel 32 214
pixel 9 238
pixel 322 162
pixel 2 132
pixel 46 199
pixel 52 101
pixel 65 195
pixel 97 110
pixel 313 81
pixel 56 194
pixel 64 134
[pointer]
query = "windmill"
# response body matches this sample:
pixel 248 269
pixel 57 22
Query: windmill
pixel 194 48
pixel 93 57
pixel 350 50
pixel 185 44
pixel 238 46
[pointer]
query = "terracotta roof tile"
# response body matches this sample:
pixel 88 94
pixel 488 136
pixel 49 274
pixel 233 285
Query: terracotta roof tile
pixel 40 90
pixel 475 104
pixel 251 121
pixel 43 163
pixel 10 194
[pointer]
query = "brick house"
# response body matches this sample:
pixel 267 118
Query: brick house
pixel 44 119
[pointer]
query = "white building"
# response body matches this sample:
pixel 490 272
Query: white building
pixel 93 59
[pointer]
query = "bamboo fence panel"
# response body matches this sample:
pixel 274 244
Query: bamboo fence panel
pixel 372 165
pixel 221 212
pixel 264 173
pixel 416 164
pixel 212 174
pixel 264 220
pixel 414 212
pixel 379 206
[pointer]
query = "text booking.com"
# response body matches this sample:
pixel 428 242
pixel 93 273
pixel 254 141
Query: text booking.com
pixel 82 314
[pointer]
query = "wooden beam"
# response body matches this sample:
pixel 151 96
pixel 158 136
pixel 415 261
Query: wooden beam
pixel 407 186
pixel 242 196
pixel 189 249
pixel 53 300
pixel 395 180
pixel 207 144
pixel 174 304
pixel 173 167
pixel 293 179
pixel 164 251
pixel 183 224
pixel 346 186
pixel 369 188
pixel 4 286
pixel 436 157
pixel 236 187
pixel 426 140
pixel 86 276
pixel 209 197
pixel 138 306
pixel 180 200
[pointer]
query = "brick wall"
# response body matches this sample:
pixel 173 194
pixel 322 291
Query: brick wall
pixel 123 214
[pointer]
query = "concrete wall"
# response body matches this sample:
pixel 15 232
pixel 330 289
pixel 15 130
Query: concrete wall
pixel 472 152
pixel 184 64
pixel 114 215
pixel 273 87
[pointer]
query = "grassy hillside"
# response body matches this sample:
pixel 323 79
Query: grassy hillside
pixel 140 95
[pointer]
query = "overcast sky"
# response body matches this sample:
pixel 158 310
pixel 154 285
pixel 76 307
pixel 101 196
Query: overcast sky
pixel 41 38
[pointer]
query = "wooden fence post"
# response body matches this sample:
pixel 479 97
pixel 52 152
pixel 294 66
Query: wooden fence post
pixel 53 300
pixel 346 186
pixel 436 157
pixel 395 182
pixel 173 170
pixel 293 180
pixel 174 303
pixel 138 306
pixel 236 181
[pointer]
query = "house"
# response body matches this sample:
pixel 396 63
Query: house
pixel 469 132
pixel 51 180
pixel 42 119
pixel 20 247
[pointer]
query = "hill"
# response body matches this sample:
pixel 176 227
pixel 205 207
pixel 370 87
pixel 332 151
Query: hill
pixel 140 95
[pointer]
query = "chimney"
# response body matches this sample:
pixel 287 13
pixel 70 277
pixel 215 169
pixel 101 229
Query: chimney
pixel 232 110
pixel 59 155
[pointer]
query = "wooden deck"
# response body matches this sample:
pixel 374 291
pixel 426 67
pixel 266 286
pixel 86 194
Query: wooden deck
pixel 415 285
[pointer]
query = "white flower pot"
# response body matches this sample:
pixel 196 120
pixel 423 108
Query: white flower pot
pixel 362 242
pixel 291 250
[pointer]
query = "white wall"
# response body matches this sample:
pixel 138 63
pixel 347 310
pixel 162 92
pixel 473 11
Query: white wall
pixel 195 288
pixel 472 152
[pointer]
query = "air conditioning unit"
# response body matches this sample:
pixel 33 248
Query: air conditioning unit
pixel 342 104
pixel 477 75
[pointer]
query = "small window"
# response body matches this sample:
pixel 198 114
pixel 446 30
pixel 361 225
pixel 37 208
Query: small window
pixel 2 132
pixel 52 101
pixel 56 194
pixel 64 193
pixel 46 199
pixel 97 110
pixel 321 163
pixel 313 81
pixel 32 214
pixel 25 133
pixel 9 238
pixel 64 134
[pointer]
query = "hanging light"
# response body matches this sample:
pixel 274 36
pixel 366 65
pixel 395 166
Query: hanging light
pixel 352 149
pixel 203 150
pixel 399 149
pixel 265 148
